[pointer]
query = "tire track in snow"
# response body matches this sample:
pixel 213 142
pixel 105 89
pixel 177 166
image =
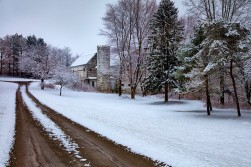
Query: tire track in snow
pixel 53 129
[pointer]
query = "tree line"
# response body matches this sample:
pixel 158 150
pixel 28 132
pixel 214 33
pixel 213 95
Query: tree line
pixel 206 51
pixel 32 57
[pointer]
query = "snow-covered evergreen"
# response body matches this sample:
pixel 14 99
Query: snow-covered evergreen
pixel 163 43
pixel 223 47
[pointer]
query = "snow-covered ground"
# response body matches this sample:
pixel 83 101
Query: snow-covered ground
pixel 179 133
pixel 7 116
pixel 7 119
pixel 16 79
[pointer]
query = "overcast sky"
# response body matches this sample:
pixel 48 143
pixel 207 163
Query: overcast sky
pixel 72 23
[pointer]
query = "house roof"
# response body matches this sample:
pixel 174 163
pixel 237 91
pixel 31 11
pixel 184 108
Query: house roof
pixel 92 77
pixel 82 60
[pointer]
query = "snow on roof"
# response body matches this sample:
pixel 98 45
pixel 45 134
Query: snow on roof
pixel 92 77
pixel 82 60
pixel 114 60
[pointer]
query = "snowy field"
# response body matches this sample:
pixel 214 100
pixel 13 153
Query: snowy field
pixel 16 79
pixel 7 119
pixel 178 133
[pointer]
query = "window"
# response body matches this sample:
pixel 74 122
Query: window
pixel 83 69
pixel 93 83
pixel 90 69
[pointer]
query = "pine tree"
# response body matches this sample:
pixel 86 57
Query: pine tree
pixel 200 64
pixel 224 46
pixel 163 43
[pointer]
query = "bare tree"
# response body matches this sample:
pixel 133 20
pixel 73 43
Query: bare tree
pixel 39 59
pixel 63 56
pixel 144 14
pixel 114 21
pixel 228 10
pixel 127 27
pixel 63 77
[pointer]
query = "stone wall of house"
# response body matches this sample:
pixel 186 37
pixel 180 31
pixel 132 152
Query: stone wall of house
pixel 81 71
pixel 92 72
pixel 93 61
pixel 103 68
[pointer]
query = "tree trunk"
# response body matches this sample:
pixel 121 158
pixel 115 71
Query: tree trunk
pixel 60 90
pixel 120 87
pixel 166 92
pixel 248 92
pixel 1 72
pixel 208 101
pixel 222 88
pixel 9 69
pixel 42 84
pixel 133 92
pixel 143 91
pixel 210 104
pixel 235 89
pixel 19 69
pixel 13 67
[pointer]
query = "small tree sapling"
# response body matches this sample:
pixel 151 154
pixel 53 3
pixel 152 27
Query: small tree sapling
pixel 63 77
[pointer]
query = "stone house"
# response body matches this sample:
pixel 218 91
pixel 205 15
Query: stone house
pixel 96 69
pixel 85 66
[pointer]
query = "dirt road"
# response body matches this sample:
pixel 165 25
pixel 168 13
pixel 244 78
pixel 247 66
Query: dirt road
pixel 34 147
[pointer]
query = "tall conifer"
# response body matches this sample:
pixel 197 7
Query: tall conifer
pixel 163 43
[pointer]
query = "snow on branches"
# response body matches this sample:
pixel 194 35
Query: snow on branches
pixel 63 77
pixel 164 41
pixel 218 46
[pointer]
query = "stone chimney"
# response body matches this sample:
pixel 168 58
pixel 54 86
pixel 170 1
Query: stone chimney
pixel 103 68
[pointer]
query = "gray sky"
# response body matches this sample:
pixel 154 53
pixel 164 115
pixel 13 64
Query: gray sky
pixel 72 23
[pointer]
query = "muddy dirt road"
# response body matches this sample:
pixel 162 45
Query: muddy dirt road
pixel 34 146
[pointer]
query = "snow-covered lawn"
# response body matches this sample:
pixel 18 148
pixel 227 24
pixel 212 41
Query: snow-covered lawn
pixel 179 133
pixel 7 119
pixel 7 116
pixel 16 79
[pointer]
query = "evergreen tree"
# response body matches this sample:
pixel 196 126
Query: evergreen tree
pixel 224 46
pixel 163 42
pixel 185 54
pixel 17 42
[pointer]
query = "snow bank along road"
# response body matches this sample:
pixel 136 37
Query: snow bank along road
pixel 7 119
pixel 46 138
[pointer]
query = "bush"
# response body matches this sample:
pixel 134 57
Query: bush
pixel 49 85
pixel 83 87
